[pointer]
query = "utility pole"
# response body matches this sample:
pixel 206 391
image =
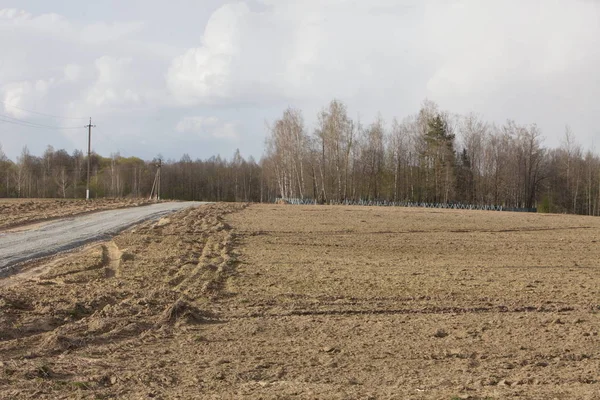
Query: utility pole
pixel 87 188
pixel 158 189
pixel 156 184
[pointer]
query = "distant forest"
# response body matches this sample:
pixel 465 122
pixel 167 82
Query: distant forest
pixel 432 156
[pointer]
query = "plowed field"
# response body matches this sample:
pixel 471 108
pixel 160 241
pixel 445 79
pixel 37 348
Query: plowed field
pixel 279 301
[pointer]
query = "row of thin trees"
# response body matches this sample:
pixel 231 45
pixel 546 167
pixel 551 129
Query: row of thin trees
pixel 58 174
pixel 431 156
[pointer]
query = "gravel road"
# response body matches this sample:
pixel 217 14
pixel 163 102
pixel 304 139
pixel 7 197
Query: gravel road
pixel 46 239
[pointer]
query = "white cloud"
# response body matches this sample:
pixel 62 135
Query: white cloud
pixel 74 77
pixel 209 127
pixel 72 72
pixel 204 72
pixel 492 45
pixel 529 60
pixel 68 68
pixel 47 23
pixel 13 14
pixel 228 131
pixel 290 51
pixel 383 53
pixel 24 95
pixel 103 32
pixel 56 24
pixel 13 96
pixel 111 87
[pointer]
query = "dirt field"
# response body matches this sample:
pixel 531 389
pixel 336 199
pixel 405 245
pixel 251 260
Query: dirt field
pixel 276 301
pixel 15 212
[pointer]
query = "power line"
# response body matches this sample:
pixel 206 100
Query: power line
pixel 37 124
pixel 39 113
pixel 28 125
pixel 20 122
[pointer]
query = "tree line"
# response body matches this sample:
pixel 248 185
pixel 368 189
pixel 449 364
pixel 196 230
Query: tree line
pixel 58 174
pixel 432 156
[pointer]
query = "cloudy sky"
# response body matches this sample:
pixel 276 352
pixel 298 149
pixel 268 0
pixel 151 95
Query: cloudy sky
pixel 206 77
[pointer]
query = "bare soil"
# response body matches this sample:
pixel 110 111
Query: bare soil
pixel 18 212
pixel 280 301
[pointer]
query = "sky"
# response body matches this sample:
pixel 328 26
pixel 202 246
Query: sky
pixel 206 77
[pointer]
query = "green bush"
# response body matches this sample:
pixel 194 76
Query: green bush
pixel 545 206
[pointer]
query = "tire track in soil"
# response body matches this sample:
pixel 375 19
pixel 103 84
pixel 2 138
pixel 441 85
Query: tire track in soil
pixel 215 266
pixel 453 310
pixel 116 299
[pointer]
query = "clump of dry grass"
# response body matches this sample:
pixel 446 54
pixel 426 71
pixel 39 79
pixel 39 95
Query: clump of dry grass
pixel 183 312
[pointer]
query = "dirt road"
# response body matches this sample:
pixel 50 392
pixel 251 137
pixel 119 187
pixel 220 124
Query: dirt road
pixel 18 212
pixel 53 237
